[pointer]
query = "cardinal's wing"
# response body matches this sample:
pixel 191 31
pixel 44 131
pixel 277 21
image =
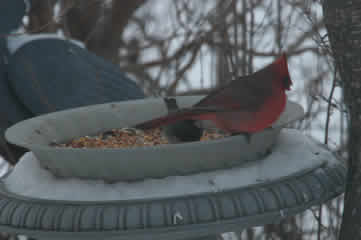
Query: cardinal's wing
pixel 54 74
pixel 246 93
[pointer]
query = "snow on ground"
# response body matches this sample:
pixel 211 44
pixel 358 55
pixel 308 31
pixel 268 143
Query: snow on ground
pixel 294 152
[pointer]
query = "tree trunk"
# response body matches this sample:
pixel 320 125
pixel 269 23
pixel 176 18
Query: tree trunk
pixel 343 23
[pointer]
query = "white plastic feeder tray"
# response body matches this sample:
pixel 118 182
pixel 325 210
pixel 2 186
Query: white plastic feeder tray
pixel 131 164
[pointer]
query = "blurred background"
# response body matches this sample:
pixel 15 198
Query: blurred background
pixel 188 47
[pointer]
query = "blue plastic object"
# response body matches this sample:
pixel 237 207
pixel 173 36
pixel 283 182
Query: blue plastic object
pixel 52 74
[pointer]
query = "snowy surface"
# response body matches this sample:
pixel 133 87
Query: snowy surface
pixel 16 41
pixel 294 152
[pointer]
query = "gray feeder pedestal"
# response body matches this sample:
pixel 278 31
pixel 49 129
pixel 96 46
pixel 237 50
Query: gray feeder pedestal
pixel 295 174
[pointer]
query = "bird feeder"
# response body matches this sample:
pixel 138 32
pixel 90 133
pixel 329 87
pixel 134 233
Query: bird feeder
pixel 130 164
pixel 179 191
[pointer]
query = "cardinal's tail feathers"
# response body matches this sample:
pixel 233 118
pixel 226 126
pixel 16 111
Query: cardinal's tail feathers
pixel 208 109
pixel 167 119
pixel 181 114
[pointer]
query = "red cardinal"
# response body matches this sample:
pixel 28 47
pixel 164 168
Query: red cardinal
pixel 246 105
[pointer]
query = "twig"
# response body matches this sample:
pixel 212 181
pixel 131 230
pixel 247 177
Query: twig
pixel 329 106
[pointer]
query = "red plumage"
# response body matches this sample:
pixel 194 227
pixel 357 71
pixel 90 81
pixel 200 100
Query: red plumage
pixel 247 104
